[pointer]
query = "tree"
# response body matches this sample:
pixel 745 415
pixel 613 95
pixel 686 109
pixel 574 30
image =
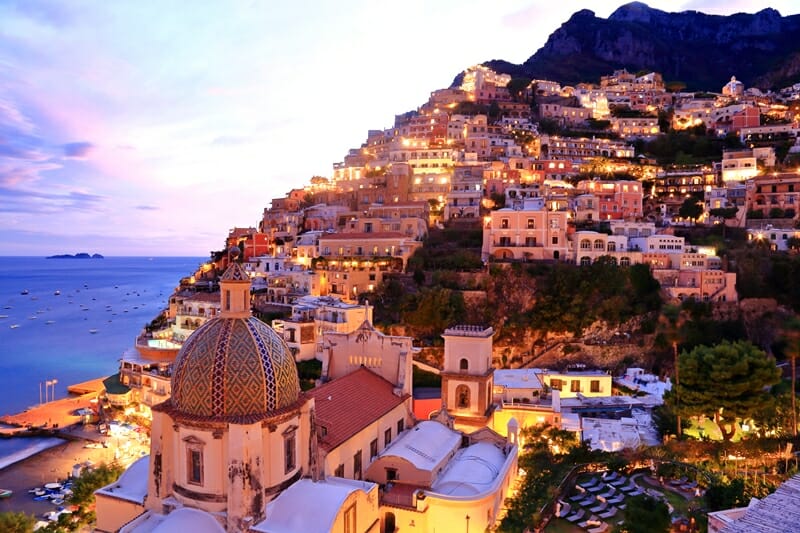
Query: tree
pixel 645 514
pixel 517 86
pixel 691 208
pixel 726 382
pixel 725 213
pixel 792 328
pixel 14 522
pixel 84 487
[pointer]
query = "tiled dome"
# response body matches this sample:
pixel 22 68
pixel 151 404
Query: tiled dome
pixel 234 367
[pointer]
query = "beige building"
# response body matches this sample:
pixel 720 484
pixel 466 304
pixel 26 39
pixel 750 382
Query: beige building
pixel 531 233
pixel 239 448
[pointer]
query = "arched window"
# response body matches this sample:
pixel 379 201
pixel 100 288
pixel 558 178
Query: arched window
pixel 612 246
pixel 599 244
pixel 462 397
pixel 463 365
pixel 625 261
pixel 586 244
pixel 586 261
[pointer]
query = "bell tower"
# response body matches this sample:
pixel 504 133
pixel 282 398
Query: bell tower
pixel 467 377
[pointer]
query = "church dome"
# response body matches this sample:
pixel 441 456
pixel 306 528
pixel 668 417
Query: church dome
pixel 234 367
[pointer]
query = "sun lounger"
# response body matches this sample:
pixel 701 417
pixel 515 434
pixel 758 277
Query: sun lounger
pixel 609 513
pixel 599 508
pixel 576 497
pixel 610 476
pixel 677 482
pixel 619 498
pixel 597 488
pixel 609 493
pixel 577 515
pixel 631 486
pixel 637 492
pixel 565 509
pixel 689 486
pixel 619 482
pixel 589 500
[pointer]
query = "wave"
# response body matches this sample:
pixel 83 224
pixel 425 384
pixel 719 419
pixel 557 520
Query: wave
pixel 18 449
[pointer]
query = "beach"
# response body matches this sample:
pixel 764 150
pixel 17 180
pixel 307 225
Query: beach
pixel 56 462
pixel 53 464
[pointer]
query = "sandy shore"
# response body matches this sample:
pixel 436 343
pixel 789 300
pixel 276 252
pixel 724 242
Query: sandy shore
pixel 61 412
pixel 54 464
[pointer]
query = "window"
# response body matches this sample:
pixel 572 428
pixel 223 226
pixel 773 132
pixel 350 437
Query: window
pixel 387 437
pixel 194 460
pixel 531 223
pixel 227 300
pixel 400 426
pixel 594 385
pixel 586 261
pixel 373 449
pixel 504 223
pixel 195 467
pixel 339 472
pixel 289 451
pixel 530 241
pixel 555 240
pixel 463 365
pixel 462 397
pixel 350 519
pixel 575 385
pixel 555 384
pixel 391 474
pixel 357 465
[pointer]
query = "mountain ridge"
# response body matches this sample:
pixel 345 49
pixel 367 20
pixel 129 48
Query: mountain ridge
pixel 699 49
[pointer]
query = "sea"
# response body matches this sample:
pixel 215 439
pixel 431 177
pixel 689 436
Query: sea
pixel 70 320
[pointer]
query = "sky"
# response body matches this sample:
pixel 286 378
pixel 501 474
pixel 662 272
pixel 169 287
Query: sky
pixel 152 128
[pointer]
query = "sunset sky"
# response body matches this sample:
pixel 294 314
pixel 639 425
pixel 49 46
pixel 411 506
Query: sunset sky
pixel 151 128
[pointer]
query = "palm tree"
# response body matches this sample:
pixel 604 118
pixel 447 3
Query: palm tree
pixel 671 324
pixel 792 334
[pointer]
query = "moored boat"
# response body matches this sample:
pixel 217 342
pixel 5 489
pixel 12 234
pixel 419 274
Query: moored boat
pixel 6 493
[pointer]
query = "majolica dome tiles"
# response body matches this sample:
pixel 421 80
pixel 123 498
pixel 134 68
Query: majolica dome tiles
pixel 233 367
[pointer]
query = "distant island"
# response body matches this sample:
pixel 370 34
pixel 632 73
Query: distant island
pixel 76 256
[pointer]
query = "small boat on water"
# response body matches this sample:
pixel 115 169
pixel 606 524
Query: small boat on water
pixel 92 331
pixel 25 292
pixel 50 322
pixel 6 493
pixel 3 316
pixel 57 293
pixel 14 326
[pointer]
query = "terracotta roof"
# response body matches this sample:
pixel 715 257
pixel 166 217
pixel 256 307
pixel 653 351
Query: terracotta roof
pixel 361 236
pixel 348 404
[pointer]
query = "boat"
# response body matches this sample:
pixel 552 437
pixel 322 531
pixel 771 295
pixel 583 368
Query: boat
pixel 6 493
pixel 14 326
pixel 57 293
pixel 24 292
pixel 92 331
pixel 49 322
pixel 3 316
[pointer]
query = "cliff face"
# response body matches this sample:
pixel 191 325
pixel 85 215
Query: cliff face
pixel 701 50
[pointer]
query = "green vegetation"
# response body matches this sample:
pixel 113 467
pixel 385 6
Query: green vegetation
pixel 725 382
pixel 13 522
pixel 691 208
pixel 687 147
pixel 423 378
pixel 544 470
pixel 309 372
pixel 84 487
pixel 645 514
pixel 571 298
pixel 449 249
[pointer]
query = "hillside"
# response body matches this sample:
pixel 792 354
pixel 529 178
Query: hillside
pixel 701 50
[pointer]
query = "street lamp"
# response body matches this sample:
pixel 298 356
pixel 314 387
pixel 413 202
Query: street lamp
pixel 48 395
